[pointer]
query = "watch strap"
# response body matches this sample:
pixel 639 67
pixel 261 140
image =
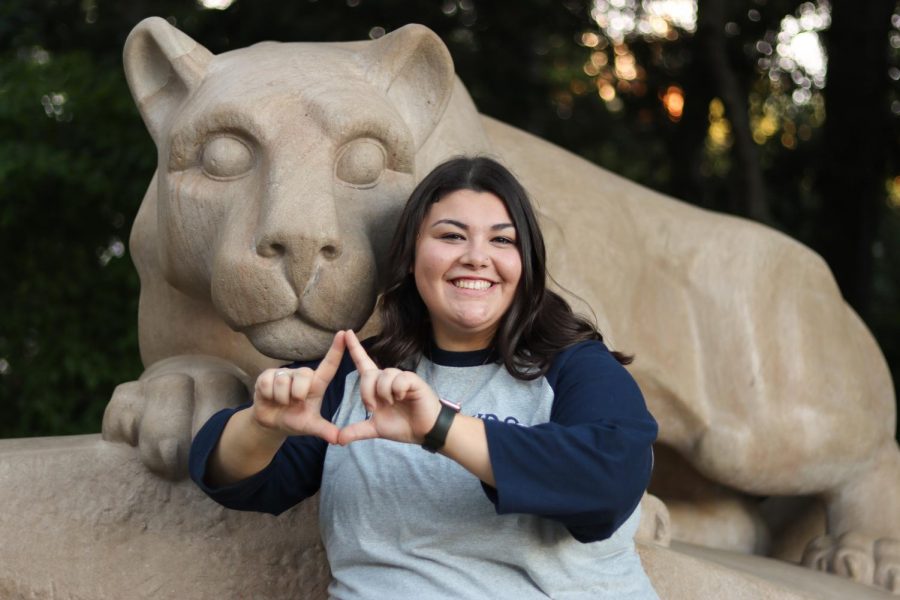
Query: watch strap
pixel 437 437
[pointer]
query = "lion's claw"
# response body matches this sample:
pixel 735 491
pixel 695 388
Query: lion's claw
pixel 858 557
pixel 160 413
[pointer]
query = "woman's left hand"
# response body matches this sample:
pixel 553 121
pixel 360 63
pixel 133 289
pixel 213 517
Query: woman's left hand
pixel 402 406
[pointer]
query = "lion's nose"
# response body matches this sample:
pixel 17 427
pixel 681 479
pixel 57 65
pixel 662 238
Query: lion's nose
pixel 330 251
pixel 275 245
pixel 297 227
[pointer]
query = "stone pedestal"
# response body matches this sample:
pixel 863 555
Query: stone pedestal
pixel 83 519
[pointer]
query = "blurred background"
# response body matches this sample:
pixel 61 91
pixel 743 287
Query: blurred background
pixel 780 111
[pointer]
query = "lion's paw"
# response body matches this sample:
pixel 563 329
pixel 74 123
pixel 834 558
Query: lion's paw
pixel 160 413
pixel 656 525
pixel 859 557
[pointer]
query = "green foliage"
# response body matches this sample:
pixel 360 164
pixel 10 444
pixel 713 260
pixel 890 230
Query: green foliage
pixel 74 161
pixel 75 158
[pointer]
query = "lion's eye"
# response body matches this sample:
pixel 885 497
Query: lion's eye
pixel 226 157
pixel 360 162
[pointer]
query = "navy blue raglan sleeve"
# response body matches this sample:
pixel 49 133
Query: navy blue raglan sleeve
pixel 589 466
pixel 295 472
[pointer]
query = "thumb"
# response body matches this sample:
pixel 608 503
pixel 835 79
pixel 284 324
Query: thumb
pixel 363 430
pixel 326 430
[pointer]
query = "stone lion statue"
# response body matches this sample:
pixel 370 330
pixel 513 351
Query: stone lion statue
pixel 282 168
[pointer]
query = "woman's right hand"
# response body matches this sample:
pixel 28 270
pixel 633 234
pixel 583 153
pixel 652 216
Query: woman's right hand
pixel 289 401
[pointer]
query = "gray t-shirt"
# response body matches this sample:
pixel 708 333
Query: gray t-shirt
pixel 400 522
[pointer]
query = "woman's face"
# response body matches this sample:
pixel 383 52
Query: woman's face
pixel 467 268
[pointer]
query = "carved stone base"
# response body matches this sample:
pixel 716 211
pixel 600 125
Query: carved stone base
pixel 83 519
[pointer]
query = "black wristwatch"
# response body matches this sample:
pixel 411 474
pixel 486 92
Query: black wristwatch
pixel 435 439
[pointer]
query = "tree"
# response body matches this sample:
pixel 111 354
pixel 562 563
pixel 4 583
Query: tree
pixel 709 106
pixel 856 144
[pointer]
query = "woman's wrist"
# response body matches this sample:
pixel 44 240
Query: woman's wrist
pixel 467 445
pixel 263 434
pixel 435 438
pixel 425 421
pixel 245 448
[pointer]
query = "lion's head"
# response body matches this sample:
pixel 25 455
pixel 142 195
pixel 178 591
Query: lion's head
pixel 282 168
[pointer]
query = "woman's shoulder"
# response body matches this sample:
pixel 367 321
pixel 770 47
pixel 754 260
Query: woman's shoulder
pixel 585 350
pixel 589 358
pixel 588 377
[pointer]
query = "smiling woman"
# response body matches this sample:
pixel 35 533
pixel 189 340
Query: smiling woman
pixel 548 437
pixel 467 268
pixel 536 323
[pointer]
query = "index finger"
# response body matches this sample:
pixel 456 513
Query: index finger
pixel 329 365
pixel 358 353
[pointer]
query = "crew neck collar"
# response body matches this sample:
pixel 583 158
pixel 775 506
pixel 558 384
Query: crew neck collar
pixel 469 358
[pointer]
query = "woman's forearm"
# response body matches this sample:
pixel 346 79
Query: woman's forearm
pixel 244 449
pixel 467 444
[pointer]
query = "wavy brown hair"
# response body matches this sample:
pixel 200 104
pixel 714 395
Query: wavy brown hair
pixel 539 322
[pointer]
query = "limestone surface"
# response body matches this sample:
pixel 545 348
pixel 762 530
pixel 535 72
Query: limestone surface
pixel 83 519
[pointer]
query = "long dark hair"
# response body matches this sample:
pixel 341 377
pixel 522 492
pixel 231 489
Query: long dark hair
pixel 538 324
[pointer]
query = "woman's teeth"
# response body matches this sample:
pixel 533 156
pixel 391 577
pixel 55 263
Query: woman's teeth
pixel 472 284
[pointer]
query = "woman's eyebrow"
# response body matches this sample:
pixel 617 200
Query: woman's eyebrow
pixel 465 227
pixel 450 222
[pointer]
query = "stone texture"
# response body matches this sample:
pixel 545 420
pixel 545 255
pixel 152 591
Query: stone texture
pixel 690 572
pixel 83 519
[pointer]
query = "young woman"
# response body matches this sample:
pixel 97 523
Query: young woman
pixel 485 445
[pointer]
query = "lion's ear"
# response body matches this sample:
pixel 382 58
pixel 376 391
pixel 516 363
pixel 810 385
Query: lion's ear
pixel 163 66
pixel 415 69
